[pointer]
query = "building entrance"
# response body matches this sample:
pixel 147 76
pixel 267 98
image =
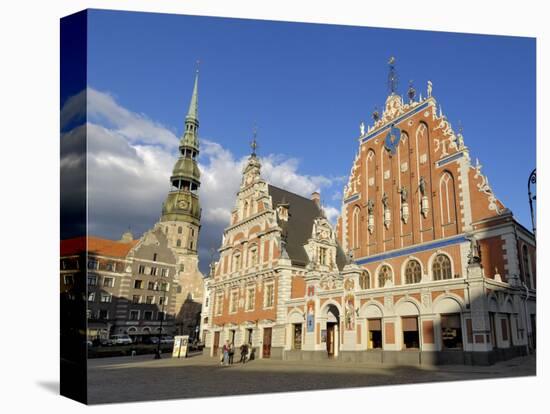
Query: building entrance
pixel 266 350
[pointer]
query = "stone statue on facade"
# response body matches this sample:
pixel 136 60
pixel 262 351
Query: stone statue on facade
pixel 385 201
pixel 422 185
pixel 404 194
pixel 370 206
pixel 474 255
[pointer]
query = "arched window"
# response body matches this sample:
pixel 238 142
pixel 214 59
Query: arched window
pixel 355 227
pixel 441 267
pixel 245 209
pixel 180 230
pixel 413 272
pixel 526 267
pixel 384 274
pixel 364 280
pixel 178 243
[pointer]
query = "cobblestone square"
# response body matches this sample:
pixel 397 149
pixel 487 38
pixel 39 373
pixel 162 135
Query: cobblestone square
pixel 142 378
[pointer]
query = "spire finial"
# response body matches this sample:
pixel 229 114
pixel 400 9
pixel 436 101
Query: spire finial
pixel 254 143
pixel 197 66
pixel 193 112
pixel 392 76
pixel 460 129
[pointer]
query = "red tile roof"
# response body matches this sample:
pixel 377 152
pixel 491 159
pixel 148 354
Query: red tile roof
pixel 96 245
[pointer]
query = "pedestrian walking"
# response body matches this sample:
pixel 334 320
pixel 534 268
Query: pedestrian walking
pixel 225 349
pixel 244 352
pixel 231 353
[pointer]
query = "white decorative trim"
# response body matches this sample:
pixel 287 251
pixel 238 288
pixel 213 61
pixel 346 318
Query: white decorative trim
pixel 485 188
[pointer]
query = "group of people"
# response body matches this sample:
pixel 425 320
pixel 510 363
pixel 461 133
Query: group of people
pixel 228 352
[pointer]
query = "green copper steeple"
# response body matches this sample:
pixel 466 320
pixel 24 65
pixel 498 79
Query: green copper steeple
pixel 182 202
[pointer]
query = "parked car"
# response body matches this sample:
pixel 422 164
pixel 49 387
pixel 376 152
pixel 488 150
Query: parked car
pixel 167 340
pixel 119 340
pixel 196 346
pixel 152 340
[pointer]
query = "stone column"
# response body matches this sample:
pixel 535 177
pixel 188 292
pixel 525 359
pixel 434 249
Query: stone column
pixel 481 328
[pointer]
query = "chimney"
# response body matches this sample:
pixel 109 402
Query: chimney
pixel 316 198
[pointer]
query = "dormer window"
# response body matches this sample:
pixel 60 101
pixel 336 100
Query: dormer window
pixel 322 255
pixel 282 212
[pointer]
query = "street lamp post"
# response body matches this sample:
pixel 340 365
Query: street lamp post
pixel 532 197
pixel 159 284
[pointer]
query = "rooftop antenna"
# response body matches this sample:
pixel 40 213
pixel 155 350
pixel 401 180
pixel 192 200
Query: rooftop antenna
pixel 254 143
pixel 392 76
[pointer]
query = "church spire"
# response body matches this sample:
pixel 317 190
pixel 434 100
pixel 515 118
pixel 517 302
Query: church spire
pixel 182 202
pixel 193 112
pixel 190 137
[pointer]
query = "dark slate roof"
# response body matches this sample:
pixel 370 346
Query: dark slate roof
pixel 302 212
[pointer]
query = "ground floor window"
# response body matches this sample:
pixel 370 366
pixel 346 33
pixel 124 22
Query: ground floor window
pixel 374 333
pixel 451 331
pixel 411 338
pixel 297 336
pixel 249 335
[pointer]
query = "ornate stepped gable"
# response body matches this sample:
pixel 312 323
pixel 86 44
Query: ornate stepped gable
pixel 412 180
pixel 264 212
pixel 271 229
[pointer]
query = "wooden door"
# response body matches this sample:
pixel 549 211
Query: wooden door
pixel 266 352
pixel 330 339
pixel 216 343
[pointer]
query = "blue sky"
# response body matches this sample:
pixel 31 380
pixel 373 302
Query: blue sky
pixel 308 86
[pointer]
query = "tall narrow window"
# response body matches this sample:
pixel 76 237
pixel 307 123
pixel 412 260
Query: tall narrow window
pixel 250 298
pixel 413 272
pixel 234 301
pixel 236 262
pixel 364 280
pixel 322 255
pixel 218 305
pixel 245 209
pixel 355 227
pixel 253 256
pixel 441 267
pixel 447 203
pixel 269 295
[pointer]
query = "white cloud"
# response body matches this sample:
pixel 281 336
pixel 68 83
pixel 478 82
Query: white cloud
pixel 130 158
pixel 331 213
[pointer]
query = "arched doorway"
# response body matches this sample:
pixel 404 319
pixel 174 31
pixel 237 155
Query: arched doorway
pixel 333 332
